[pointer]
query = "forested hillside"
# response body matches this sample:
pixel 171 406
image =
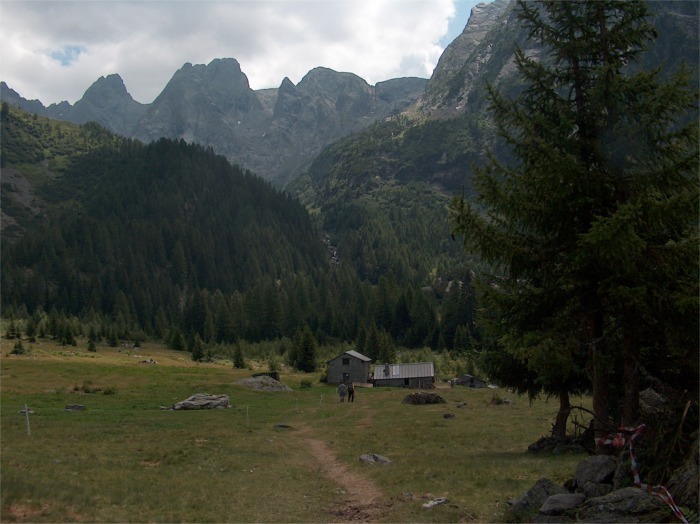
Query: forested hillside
pixel 169 239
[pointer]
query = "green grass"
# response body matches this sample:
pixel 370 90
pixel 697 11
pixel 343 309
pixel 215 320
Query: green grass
pixel 126 460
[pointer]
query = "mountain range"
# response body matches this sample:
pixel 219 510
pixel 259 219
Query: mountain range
pixel 276 133
pixel 214 105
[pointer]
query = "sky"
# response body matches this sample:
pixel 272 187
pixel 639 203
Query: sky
pixel 53 50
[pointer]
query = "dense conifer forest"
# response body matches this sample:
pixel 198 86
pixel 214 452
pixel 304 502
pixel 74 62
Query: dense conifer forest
pixel 170 241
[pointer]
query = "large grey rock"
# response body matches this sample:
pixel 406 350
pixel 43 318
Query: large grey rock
pixel 598 469
pixel 624 505
pixel 529 504
pixel 684 483
pixel 203 401
pixel 422 397
pixel 263 383
pixel 561 502
pixel 651 404
pixel 593 489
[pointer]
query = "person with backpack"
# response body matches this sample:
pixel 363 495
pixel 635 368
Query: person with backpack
pixel 351 393
pixel 341 391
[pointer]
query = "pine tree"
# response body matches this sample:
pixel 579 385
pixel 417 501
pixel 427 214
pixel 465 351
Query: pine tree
pixel 595 220
pixel 305 350
pixel 196 348
pixel 238 360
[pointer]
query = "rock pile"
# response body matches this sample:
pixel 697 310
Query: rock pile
pixel 589 497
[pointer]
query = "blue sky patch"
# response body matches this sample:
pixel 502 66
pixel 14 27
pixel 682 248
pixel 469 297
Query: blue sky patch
pixel 67 54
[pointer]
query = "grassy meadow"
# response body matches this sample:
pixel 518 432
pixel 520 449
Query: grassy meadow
pixel 124 459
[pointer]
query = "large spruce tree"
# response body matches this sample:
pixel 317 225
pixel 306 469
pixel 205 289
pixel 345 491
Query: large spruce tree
pixel 592 227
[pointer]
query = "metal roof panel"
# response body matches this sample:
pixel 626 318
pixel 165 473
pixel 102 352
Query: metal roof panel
pixel 408 370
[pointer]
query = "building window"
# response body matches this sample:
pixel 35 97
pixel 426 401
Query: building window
pixel 346 362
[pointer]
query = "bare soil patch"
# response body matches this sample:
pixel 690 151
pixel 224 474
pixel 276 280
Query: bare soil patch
pixel 364 501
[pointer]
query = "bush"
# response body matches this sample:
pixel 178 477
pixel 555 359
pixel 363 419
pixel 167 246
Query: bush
pixel 18 349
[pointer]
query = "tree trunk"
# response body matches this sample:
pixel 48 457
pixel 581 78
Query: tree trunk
pixel 630 406
pixel 559 429
pixel 601 391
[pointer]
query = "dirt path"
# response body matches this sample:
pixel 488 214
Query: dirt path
pixel 363 501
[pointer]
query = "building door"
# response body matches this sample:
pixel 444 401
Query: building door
pixel 346 377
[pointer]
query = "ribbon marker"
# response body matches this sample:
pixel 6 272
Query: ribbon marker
pixel 618 441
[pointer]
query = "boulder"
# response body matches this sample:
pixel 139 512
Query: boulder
pixel 525 507
pixel 263 383
pixel 624 505
pixel 652 404
pixel 593 489
pixel 423 398
pixel 203 401
pixel 684 482
pixel 556 446
pixel 598 469
pixel 561 503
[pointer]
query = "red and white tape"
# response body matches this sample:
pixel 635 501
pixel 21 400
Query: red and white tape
pixel 618 440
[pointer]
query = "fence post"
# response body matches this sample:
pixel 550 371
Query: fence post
pixel 26 412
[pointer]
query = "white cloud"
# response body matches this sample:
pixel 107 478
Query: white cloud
pixel 54 50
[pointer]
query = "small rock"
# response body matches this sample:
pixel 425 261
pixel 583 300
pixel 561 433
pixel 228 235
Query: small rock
pixel 373 458
pixel 74 407
pixel 435 502
pixel 448 415
pixel 283 426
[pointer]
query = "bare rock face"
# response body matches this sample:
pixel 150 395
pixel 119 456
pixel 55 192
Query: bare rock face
pixel 203 401
pixel 462 61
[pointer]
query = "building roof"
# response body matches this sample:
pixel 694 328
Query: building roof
pixel 354 354
pixel 411 370
pixel 358 355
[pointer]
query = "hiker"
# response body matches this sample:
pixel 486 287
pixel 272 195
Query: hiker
pixel 351 393
pixel 341 391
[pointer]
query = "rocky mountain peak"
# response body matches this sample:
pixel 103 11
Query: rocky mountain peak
pixel 463 53
pixel 110 86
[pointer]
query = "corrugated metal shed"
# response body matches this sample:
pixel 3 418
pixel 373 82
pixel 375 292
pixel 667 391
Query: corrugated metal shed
pixel 410 370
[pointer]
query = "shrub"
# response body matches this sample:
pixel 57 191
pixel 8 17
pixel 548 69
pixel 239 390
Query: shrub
pixel 18 349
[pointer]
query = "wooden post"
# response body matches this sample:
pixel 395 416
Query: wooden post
pixel 26 412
